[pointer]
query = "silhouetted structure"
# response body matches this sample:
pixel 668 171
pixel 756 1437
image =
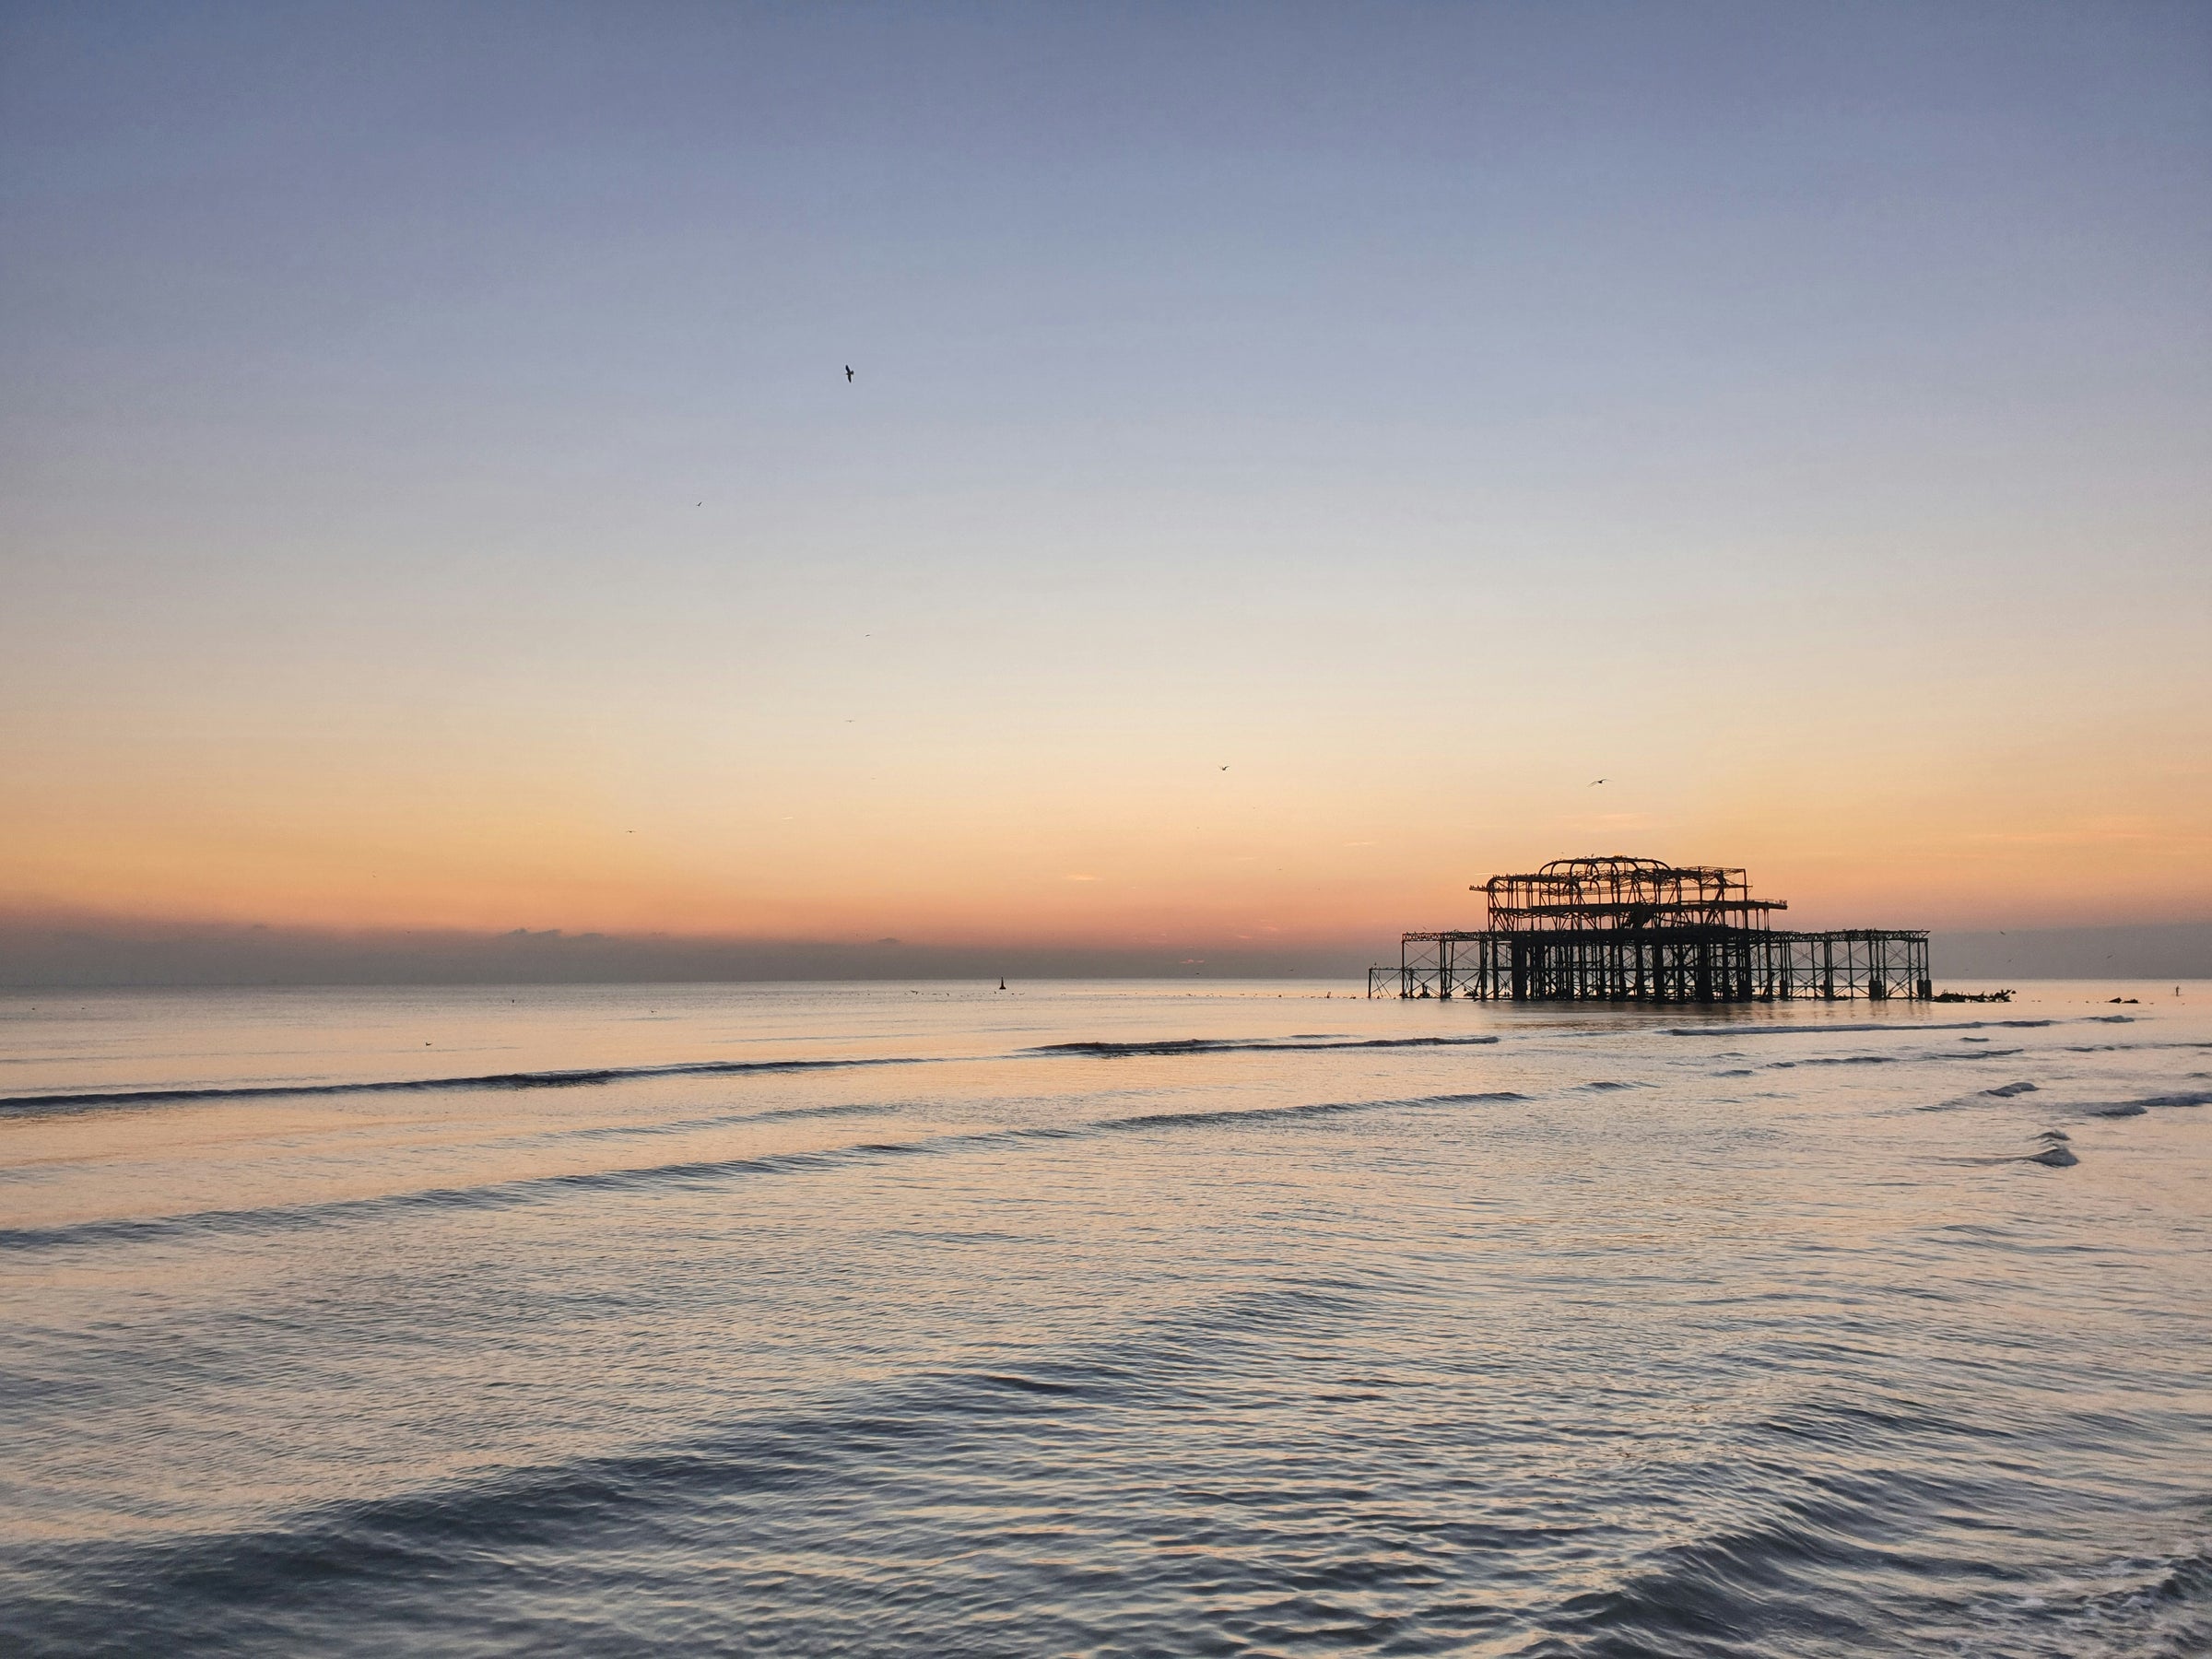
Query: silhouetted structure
pixel 1637 930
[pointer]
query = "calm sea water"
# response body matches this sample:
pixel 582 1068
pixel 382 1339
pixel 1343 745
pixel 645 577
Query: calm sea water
pixel 1101 1319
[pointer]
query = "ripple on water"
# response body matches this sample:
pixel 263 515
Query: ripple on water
pixel 1123 1323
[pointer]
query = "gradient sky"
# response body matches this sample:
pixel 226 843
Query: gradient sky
pixel 434 498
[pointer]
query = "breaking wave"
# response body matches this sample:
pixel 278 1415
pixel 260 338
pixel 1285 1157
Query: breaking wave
pixel 529 1189
pixel 2142 1103
pixel 582 1078
pixel 1228 1045
pixel 594 1077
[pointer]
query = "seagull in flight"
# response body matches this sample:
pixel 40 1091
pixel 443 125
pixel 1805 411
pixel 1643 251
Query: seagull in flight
pixel 1595 781
pixel 848 374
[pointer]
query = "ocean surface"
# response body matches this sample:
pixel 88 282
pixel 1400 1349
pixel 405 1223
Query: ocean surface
pixel 1102 1319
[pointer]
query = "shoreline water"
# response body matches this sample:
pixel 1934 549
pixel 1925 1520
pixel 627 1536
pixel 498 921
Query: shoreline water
pixel 1102 1318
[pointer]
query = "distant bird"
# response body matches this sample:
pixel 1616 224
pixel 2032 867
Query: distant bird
pixel 848 374
pixel 1595 781
pixel 1225 769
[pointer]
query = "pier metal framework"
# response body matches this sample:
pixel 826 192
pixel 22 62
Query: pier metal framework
pixel 1637 930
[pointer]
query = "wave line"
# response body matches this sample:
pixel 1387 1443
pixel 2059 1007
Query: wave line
pixel 586 1077
pixel 528 1189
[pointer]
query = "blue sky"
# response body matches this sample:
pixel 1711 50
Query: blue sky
pixel 435 495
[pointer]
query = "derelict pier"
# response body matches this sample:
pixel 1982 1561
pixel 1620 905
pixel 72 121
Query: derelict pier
pixel 1638 930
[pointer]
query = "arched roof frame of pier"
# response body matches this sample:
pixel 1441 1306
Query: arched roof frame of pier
pixel 1616 892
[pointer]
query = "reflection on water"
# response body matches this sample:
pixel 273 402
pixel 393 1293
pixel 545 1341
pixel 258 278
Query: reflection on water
pixel 1109 1319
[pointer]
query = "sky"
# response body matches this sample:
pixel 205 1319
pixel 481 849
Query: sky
pixel 1292 453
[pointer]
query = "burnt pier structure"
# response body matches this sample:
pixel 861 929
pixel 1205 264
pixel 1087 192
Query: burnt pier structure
pixel 1637 930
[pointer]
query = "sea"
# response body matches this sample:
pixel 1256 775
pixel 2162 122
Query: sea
pixel 1102 1318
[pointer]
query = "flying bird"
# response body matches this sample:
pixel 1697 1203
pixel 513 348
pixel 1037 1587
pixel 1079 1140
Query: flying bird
pixel 1595 781
pixel 848 374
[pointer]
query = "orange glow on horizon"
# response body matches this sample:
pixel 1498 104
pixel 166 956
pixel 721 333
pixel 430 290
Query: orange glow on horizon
pixel 1261 855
